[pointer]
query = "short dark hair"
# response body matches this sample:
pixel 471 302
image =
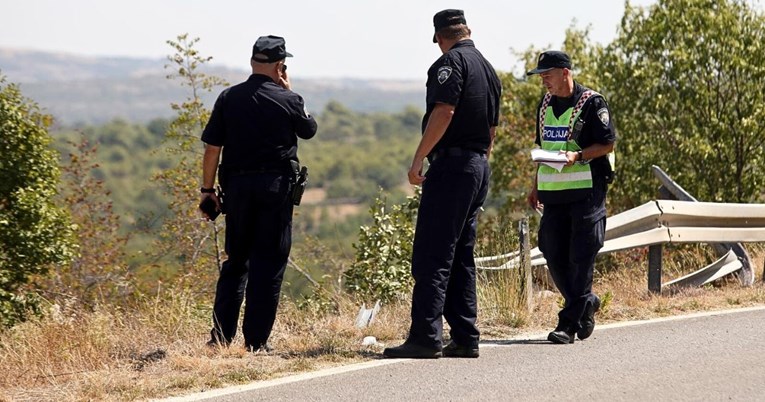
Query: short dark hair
pixel 455 32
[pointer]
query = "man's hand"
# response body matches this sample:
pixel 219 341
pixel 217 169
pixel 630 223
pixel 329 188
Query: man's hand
pixel 415 172
pixel 438 122
pixel 284 79
pixel 214 198
pixel 571 156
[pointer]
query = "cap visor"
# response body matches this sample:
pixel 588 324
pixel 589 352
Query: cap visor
pixel 538 70
pixel 288 54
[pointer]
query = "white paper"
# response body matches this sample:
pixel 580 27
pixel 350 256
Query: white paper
pixel 553 159
pixel 555 165
pixel 540 155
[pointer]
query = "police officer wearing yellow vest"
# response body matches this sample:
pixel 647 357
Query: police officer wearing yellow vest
pixel 574 120
pixel 256 124
pixel 462 112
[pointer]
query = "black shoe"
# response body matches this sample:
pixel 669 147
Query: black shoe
pixel 561 336
pixel 588 321
pixel 412 351
pixel 262 348
pixel 455 350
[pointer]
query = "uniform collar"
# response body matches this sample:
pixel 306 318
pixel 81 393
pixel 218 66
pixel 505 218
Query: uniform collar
pixel 463 43
pixel 259 77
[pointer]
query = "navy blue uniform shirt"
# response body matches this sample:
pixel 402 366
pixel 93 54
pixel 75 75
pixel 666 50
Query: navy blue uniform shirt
pixel 257 123
pixel 462 77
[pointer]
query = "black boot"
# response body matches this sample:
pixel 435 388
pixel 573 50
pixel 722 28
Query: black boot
pixel 561 335
pixel 588 321
pixel 412 351
pixel 455 350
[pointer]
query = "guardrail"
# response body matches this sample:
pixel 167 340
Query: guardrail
pixel 660 222
pixel 671 190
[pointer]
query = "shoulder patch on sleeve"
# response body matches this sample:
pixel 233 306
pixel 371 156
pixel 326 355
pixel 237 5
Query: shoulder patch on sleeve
pixel 604 116
pixel 443 74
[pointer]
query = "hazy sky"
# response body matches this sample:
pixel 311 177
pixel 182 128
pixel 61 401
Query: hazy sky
pixel 329 38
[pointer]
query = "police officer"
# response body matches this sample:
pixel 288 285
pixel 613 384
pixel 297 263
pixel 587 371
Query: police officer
pixel 256 124
pixel 574 120
pixel 463 95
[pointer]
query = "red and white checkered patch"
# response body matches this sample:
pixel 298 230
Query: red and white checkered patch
pixel 579 104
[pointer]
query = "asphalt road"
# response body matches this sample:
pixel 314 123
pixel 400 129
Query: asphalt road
pixel 702 357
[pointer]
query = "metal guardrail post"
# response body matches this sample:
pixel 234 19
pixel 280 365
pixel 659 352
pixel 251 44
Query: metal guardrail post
pixel 525 255
pixel 654 268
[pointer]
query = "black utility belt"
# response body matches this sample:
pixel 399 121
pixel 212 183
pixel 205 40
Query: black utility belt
pixel 455 151
pixel 244 172
pixel 298 177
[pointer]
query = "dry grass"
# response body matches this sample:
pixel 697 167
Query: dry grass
pixel 630 300
pixel 158 349
pixel 501 300
pixel 155 348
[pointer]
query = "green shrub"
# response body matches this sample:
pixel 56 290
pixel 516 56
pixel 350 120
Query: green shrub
pixel 34 232
pixel 382 267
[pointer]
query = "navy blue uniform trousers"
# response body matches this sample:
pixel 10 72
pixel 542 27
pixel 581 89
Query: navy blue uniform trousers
pixel 570 236
pixel 258 242
pixel 442 259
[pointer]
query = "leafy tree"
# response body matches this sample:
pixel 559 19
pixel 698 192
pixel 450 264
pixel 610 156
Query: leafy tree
pixel 158 127
pixel 193 242
pixel 361 152
pixel 511 164
pixel 686 78
pixel 34 232
pixel 125 156
pixel 344 122
pixel 99 272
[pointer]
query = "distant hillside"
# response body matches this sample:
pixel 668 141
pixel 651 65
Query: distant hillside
pixel 92 90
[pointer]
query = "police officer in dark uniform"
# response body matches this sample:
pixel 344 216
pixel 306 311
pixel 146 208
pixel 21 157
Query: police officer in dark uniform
pixel 463 95
pixel 574 120
pixel 256 124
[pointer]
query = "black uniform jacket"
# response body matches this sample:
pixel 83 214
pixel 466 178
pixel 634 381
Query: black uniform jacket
pixel 258 123
pixel 462 77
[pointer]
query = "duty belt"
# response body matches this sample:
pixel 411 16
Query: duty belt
pixel 454 151
pixel 242 172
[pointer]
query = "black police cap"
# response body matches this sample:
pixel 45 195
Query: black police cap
pixel 269 49
pixel 447 18
pixel 549 60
